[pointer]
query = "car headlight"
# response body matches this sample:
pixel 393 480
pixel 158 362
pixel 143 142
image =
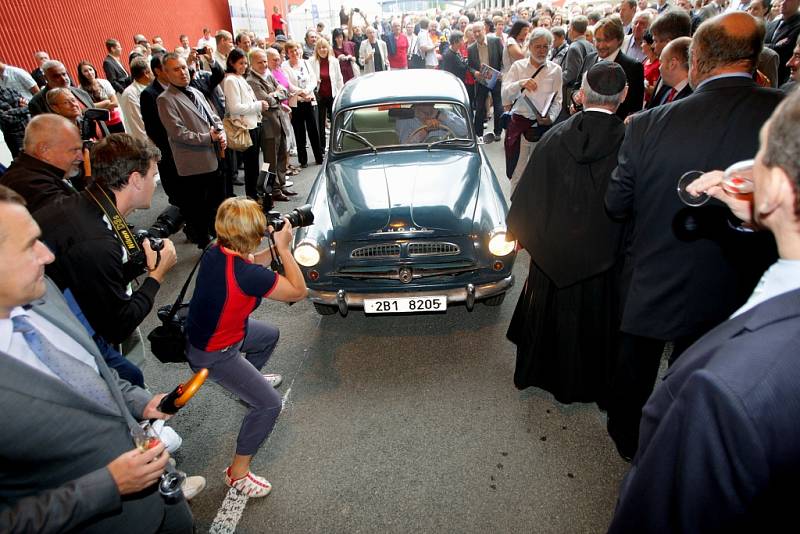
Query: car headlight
pixel 501 243
pixel 307 253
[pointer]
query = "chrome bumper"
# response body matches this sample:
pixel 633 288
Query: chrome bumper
pixel 467 294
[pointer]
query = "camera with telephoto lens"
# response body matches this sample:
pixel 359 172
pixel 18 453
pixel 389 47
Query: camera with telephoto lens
pixel 299 217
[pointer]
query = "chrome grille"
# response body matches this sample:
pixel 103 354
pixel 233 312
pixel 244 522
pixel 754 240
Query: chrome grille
pixel 386 250
pixel 433 249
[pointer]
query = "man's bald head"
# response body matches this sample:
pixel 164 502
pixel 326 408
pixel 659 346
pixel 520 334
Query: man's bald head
pixel 54 140
pixel 727 43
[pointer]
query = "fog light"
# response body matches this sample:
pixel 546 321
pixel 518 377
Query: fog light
pixel 498 266
pixel 307 253
pixel 313 275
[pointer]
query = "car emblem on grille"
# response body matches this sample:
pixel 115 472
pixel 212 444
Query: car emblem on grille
pixel 405 274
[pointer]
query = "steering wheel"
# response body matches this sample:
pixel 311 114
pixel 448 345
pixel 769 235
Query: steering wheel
pixel 425 128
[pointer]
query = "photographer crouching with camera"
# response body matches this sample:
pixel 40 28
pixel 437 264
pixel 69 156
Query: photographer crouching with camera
pixel 97 256
pixel 222 337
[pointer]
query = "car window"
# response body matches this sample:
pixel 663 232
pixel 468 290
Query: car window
pixel 405 124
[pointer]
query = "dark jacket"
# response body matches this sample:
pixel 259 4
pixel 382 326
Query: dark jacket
pixel 116 75
pixel 495 55
pixel 207 82
pixel 634 71
pixel 688 270
pixel 719 446
pixel 453 63
pixel 152 123
pixel 38 103
pixel 89 262
pixel 662 93
pixel 38 182
pixel 783 41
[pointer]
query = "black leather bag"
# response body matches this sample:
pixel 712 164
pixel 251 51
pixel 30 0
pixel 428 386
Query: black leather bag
pixel 168 340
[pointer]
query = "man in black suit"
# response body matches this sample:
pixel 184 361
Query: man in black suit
pixel 794 70
pixel 452 61
pixel 674 73
pixel 156 131
pixel 782 35
pixel 720 444
pixel 572 68
pixel 608 37
pixel 486 50
pixel 686 272
pixel 112 66
pixel 56 75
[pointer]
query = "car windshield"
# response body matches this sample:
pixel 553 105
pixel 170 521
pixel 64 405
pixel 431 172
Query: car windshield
pixel 406 124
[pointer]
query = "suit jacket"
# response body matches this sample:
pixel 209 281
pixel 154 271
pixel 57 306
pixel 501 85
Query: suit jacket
pixel 275 121
pixel 453 63
pixel 768 64
pixel 662 93
pixel 634 71
pixel 783 41
pixel 38 103
pixel 495 56
pixel 116 74
pixel 687 269
pixel 559 54
pixel 59 442
pixel 719 441
pixel 188 131
pixel 708 11
pixel 365 49
pixel 39 77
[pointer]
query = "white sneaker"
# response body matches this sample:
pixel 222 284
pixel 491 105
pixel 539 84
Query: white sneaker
pixel 274 379
pixel 288 183
pixel 192 486
pixel 250 484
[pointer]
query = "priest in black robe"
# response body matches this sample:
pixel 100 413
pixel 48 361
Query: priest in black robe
pixel 566 322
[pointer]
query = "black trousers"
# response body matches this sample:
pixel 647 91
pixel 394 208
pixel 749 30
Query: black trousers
pixel 14 142
pixel 304 121
pixel 276 155
pixel 633 382
pixel 201 195
pixel 481 92
pixel 324 111
pixel 169 177
pixel 230 170
pixel 250 158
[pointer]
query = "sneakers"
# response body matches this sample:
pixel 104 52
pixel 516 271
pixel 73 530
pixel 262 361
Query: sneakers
pixel 192 486
pixel 288 183
pixel 274 379
pixel 250 484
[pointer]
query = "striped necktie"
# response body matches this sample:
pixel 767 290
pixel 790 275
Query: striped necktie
pixel 78 375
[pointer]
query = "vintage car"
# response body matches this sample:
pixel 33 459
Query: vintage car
pixel 409 216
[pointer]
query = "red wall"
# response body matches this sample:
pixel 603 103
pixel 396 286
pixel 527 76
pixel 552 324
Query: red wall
pixel 73 30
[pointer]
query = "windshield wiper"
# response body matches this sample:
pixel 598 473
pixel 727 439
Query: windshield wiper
pixel 449 140
pixel 360 138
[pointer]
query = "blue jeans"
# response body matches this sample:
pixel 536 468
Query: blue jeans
pixel 237 369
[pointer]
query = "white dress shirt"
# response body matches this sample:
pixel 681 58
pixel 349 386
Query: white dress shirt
pixel 129 103
pixel 783 276
pixel 14 344
pixel 548 80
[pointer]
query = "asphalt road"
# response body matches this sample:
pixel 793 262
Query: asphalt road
pixel 398 424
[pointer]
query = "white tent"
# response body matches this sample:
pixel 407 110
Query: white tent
pixel 306 15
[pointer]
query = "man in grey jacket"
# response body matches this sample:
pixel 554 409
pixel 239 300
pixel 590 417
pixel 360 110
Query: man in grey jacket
pixel 69 461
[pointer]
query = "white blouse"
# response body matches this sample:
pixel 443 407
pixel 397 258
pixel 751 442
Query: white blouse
pixel 240 101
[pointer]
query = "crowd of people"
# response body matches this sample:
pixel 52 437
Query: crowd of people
pixel 601 109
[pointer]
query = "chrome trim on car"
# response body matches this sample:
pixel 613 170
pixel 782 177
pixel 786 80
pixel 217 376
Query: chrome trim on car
pixel 342 299
pixel 433 248
pixel 395 272
pixel 381 250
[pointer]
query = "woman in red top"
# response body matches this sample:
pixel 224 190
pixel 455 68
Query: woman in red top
pixel 329 83
pixel 222 337
pixel 345 52
pixel 651 66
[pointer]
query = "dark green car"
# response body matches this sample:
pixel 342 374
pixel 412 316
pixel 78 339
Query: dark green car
pixel 409 216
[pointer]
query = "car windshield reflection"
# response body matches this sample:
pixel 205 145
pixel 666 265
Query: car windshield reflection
pixel 439 124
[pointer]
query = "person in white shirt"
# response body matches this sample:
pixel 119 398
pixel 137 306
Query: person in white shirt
pixel 207 40
pixel 224 41
pixel 632 44
pixel 532 92
pixel 19 80
pixel 129 100
pixel 425 44
pixel 242 107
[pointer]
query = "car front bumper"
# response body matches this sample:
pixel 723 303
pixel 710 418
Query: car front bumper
pixel 469 294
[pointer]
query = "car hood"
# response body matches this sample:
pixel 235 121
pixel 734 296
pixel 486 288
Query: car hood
pixel 372 196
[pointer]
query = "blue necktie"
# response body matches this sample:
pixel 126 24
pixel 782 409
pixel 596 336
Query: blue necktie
pixel 80 376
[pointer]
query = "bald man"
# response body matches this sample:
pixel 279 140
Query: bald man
pixel 688 270
pixel 674 68
pixel 53 154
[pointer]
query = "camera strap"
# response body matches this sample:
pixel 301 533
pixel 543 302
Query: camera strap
pixel 179 301
pixel 113 215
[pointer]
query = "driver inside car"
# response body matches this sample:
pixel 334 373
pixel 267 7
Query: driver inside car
pixel 430 123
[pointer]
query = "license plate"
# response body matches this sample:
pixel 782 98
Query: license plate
pixel 406 304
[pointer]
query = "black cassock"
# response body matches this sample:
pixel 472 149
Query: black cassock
pixel 566 322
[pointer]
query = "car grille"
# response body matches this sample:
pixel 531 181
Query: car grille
pixel 433 249
pixel 386 250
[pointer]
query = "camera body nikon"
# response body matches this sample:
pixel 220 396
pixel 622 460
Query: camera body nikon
pixel 299 217
pixel 89 122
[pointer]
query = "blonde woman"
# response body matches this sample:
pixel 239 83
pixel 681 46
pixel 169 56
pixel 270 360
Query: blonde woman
pixel 329 83
pixel 302 83
pixel 223 338
pixel 241 103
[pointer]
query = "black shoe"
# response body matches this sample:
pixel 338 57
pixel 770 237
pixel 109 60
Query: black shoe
pixel 318 162
pixel 279 196
pixel 303 165
pixel 289 192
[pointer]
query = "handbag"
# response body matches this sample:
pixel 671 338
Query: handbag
pixel 168 340
pixel 237 134
pixel 505 118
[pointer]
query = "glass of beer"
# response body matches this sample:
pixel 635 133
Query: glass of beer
pixel 738 180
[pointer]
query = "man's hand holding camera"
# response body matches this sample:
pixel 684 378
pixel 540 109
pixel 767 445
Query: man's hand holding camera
pixel 159 263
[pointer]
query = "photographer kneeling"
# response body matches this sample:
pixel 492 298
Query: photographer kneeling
pixel 230 284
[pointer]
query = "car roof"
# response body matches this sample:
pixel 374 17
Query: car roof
pixel 398 85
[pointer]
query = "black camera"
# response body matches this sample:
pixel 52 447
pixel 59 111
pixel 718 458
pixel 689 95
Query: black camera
pixel 89 122
pixel 299 217
pixel 201 51
pixel 169 222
